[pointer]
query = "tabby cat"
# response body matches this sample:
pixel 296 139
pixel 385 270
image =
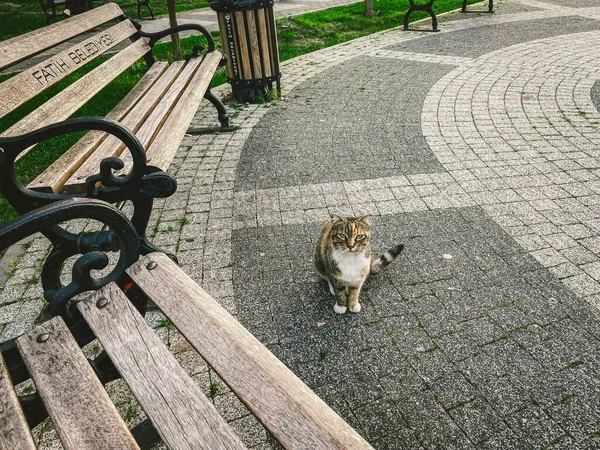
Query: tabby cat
pixel 343 258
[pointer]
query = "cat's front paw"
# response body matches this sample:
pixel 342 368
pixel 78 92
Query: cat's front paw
pixel 355 309
pixel 339 309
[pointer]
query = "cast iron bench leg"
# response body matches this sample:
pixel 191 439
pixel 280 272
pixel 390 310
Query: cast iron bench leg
pixel 425 7
pixel 490 6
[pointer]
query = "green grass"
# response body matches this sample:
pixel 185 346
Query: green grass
pixel 20 16
pixel 313 31
pixel 296 35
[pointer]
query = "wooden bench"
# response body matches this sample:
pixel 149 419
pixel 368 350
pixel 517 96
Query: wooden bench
pixel 158 110
pixel 49 8
pixel 105 163
pixel 179 413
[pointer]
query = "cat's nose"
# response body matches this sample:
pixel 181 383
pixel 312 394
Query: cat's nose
pixel 351 245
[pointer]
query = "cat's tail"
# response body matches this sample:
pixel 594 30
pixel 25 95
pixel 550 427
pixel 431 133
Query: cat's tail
pixel 385 259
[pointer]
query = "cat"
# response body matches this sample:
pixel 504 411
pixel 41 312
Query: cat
pixel 343 258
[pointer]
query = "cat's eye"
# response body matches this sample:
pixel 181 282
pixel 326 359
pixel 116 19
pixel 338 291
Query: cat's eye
pixel 341 236
pixel 360 237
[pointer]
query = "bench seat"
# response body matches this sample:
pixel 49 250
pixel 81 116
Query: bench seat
pixel 180 413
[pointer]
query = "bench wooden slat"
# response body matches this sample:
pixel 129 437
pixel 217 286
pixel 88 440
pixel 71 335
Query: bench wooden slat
pixel 294 414
pixel 54 177
pixel 163 147
pixel 14 431
pixel 27 84
pixel 17 49
pixel 161 118
pixel 182 415
pixel 135 121
pixel 66 102
pixel 82 412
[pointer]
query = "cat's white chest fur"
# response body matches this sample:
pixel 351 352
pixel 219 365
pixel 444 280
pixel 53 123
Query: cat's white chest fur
pixel 351 265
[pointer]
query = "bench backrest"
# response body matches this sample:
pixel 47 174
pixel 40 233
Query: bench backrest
pixel 82 39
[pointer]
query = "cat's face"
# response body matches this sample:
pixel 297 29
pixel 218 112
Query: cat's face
pixel 350 234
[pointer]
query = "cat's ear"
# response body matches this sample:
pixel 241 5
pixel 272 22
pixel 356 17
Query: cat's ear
pixel 335 218
pixel 367 220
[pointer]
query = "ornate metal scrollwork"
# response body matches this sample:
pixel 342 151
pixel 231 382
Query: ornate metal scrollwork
pixel 122 237
pixel 139 187
pixel 155 37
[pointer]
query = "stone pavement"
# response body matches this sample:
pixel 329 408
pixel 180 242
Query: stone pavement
pixel 476 147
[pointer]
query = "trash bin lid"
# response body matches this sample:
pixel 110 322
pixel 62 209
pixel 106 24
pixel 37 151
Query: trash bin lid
pixel 239 5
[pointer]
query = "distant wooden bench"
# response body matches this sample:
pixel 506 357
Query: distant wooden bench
pixel 49 8
pixel 178 411
pixel 158 110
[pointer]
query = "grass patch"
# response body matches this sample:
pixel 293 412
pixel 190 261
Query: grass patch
pixel 296 36
pixel 20 16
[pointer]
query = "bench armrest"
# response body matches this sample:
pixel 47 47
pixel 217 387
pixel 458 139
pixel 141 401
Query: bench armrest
pixel 92 246
pixel 25 200
pixel 121 236
pixel 155 37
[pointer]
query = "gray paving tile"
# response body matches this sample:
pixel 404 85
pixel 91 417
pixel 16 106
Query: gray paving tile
pixel 494 37
pixel 316 139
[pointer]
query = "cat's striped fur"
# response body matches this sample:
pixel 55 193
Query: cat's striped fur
pixel 343 258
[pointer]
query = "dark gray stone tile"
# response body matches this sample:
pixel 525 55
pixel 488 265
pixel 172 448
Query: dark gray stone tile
pixel 504 337
pixel 504 439
pixel 398 440
pixel 478 420
pixel 375 418
pixel 318 139
pixel 431 424
pixel 505 394
pixel 577 418
pixel 494 37
pixel 535 428
pixel 453 389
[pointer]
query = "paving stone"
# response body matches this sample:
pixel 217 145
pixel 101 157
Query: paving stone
pixel 404 151
pixel 477 420
pixel 492 38
pixel 534 427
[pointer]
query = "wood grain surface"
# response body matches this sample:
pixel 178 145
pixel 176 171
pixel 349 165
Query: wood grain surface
pixel 27 84
pixel 263 40
pixel 226 44
pixel 162 150
pixel 14 431
pixel 135 120
pixel 83 414
pixel 294 414
pixel 253 44
pixel 182 415
pixel 30 44
pixel 244 56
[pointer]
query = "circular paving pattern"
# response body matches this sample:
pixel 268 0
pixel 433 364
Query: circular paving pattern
pixel 518 131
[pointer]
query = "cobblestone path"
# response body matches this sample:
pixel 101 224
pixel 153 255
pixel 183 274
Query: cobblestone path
pixel 477 147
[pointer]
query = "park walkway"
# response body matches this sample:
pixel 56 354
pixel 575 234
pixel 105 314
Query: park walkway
pixel 478 148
